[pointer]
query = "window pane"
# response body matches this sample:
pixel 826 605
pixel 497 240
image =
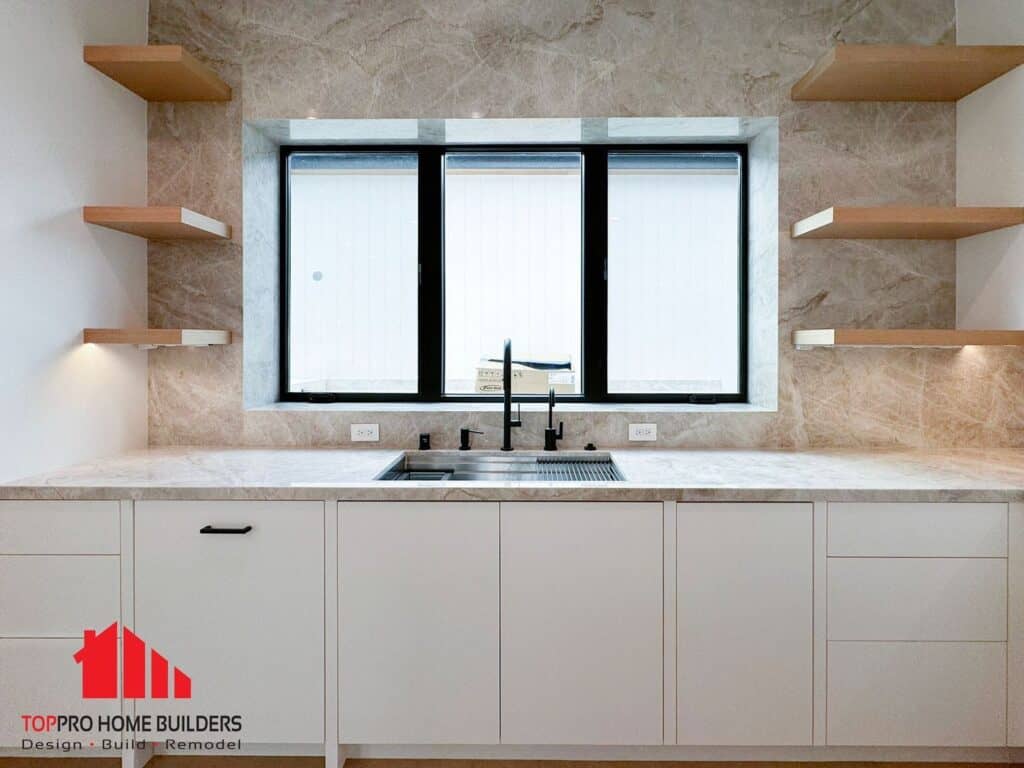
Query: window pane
pixel 512 269
pixel 673 273
pixel 354 273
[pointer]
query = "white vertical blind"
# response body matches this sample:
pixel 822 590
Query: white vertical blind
pixel 673 276
pixel 513 269
pixel 354 277
pixel 512 261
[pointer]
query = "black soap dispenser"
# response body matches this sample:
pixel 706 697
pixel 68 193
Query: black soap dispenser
pixel 552 436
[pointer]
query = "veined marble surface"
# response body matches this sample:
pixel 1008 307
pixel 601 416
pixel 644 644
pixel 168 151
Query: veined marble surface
pixel 571 58
pixel 744 475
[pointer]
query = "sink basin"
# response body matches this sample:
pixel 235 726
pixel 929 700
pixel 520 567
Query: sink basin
pixel 524 467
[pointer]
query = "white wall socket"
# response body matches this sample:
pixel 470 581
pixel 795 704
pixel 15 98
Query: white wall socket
pixel 365 433
pixel 643 431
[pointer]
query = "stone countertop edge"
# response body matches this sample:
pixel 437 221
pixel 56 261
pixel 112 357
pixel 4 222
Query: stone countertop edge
pixel 492 493
pixel 329 474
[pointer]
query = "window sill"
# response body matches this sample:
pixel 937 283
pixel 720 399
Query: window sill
pixel 490 407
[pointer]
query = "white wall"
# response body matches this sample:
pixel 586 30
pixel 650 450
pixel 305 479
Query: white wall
pixel 72 137
pixel 990 171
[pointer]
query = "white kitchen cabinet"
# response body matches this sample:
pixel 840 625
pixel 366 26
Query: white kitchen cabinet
pixel 744 654
pixel 59 575
pixel 418 622
pixel 42 677
pixel 581 623
pixel 58 596
pixel 1015 621
pixel 917 624
pixel 886 529
pixel 241 614
pixel 917 694
pixel 59 528
pixel 911 598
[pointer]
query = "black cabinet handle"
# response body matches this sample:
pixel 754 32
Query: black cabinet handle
pixel 211 529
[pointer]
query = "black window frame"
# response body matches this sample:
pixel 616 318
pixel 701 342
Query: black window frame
pixel 594 258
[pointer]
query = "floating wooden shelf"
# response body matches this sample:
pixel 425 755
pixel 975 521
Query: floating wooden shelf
pixel 157 222
pixel 158 72
pixel 155 337
pixel 869 337
pixel 905 72
pixel 903 222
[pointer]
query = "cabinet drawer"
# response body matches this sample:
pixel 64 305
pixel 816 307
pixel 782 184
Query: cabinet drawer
pixel 242 614
pixel 917 530
pixel 55 596
pixel 41 676
pixel 917 694
pixel 916 599
pixel 59 528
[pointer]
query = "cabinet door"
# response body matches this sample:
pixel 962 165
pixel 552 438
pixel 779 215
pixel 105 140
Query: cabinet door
pixel 241 614
pixel 1015 648
pixel 917 599
pixel 57 595
pixel 916 529
pixel 60 528
pixel 744 643
pixel 581 623
pixel 418 622
pixel 42 677
pixel 917 694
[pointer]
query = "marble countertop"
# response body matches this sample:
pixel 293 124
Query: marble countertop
pixel 680 475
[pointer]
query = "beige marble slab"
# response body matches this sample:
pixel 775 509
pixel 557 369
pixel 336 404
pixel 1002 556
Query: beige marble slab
pixel 295 473
pixel 654 58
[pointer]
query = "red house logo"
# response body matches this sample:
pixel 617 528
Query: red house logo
pixel 98 657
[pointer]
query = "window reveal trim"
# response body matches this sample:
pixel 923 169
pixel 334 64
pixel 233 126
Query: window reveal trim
pixel 430 244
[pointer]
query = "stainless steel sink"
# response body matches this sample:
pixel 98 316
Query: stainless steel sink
pixel 523 467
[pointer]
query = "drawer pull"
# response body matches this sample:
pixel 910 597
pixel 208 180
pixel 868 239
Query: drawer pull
pixel 211 529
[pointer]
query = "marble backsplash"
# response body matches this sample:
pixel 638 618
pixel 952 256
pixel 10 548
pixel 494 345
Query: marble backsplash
pixel 569 58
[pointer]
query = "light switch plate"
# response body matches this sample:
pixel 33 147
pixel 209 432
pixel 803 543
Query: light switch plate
pixel 643 432
pixel 365 433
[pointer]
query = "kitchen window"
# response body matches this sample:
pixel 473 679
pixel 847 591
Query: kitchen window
pixel 618 272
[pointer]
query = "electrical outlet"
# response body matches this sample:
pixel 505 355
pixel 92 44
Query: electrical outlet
pixel 643 432
pixel 365 433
